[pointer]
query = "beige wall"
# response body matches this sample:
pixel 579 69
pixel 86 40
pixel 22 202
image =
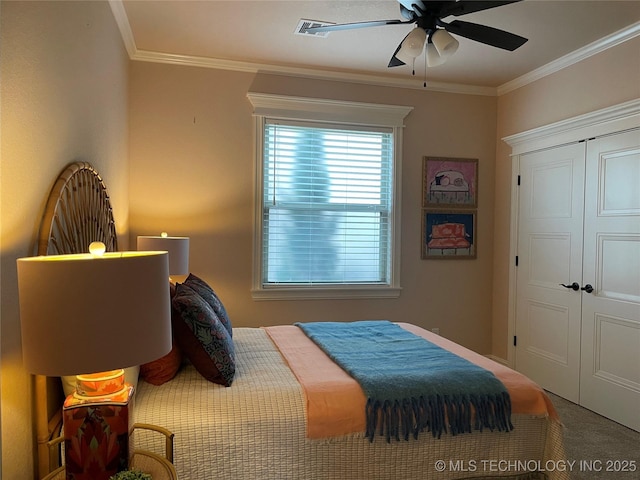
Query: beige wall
pixel 192 174
pixel 606 79
pixel 63 98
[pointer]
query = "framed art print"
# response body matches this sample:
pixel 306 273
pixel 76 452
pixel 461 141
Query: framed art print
pixel 449 182
pixel 448 234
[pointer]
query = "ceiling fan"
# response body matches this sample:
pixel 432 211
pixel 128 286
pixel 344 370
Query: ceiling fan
pixel 432 30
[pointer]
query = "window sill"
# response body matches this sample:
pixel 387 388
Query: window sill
pixel 325 292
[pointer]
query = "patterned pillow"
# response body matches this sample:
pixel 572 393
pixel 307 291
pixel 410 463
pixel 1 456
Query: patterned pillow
pixel 202 337
pixel 206 292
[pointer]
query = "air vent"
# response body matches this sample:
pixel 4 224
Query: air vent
pixel 304 25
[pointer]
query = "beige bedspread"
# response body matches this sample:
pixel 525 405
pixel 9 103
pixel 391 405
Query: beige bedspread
pixel 256 430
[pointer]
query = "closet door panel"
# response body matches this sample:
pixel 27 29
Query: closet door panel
pixel 548 315
pixel 610 359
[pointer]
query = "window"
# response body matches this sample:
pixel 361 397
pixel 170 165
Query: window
pixel 327 208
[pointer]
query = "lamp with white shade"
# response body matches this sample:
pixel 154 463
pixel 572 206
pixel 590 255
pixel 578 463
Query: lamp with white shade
pixel 177 248
pixel 85 315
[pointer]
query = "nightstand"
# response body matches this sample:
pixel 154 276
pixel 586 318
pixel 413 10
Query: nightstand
pixel 158 466
pixel 148 462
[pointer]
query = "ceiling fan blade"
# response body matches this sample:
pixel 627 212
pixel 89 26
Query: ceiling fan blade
pixel 464 7
pixel 484 34
pixel 414 6
pixel 395 61
pixel 406 13
pixel 351 26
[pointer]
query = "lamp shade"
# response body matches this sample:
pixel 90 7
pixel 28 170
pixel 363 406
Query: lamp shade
pixel 178 248
pixel 444 43
pixel 87 313
pixel 433 57
pixel 412 45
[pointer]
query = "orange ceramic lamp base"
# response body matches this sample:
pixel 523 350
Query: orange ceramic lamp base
pixel 96 426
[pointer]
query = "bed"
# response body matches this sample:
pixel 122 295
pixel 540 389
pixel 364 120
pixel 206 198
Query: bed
pixel 267 425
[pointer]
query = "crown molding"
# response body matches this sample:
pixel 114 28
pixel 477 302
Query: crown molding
pixel 617 118
pixel 120 15
pixel 220 64
pixel 594 48
pixel 572 58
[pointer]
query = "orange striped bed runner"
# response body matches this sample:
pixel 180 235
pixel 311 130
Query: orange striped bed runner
pixel 336 403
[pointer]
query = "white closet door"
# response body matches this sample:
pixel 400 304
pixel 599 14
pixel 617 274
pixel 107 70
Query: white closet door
pixel 610 373
pixel 550 227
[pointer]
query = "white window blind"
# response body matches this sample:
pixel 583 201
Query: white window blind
pixel 327 204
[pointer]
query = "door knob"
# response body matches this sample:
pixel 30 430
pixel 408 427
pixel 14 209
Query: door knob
pixel 573 286
pixel 587 288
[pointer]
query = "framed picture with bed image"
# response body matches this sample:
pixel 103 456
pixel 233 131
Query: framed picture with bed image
pixel 448 234
pixel 449 182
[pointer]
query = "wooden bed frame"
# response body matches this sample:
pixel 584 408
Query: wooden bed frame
pixel 78 212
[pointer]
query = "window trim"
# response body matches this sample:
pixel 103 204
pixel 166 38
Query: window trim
pixel 332 112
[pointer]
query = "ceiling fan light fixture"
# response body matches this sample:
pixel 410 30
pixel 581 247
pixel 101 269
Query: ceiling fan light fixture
pixel 444 43
pixel 412 45
pixel 433 57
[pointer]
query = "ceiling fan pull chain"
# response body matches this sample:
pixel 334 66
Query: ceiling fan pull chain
pixel 424 85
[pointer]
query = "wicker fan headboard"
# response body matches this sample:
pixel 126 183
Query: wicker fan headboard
pixel 78 212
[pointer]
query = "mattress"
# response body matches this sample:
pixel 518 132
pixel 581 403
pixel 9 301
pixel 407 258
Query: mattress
pixel 256 429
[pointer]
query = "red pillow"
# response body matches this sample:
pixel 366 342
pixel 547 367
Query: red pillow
pixel 163 369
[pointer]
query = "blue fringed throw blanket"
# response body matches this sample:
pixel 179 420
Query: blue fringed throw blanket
pixel 411 384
